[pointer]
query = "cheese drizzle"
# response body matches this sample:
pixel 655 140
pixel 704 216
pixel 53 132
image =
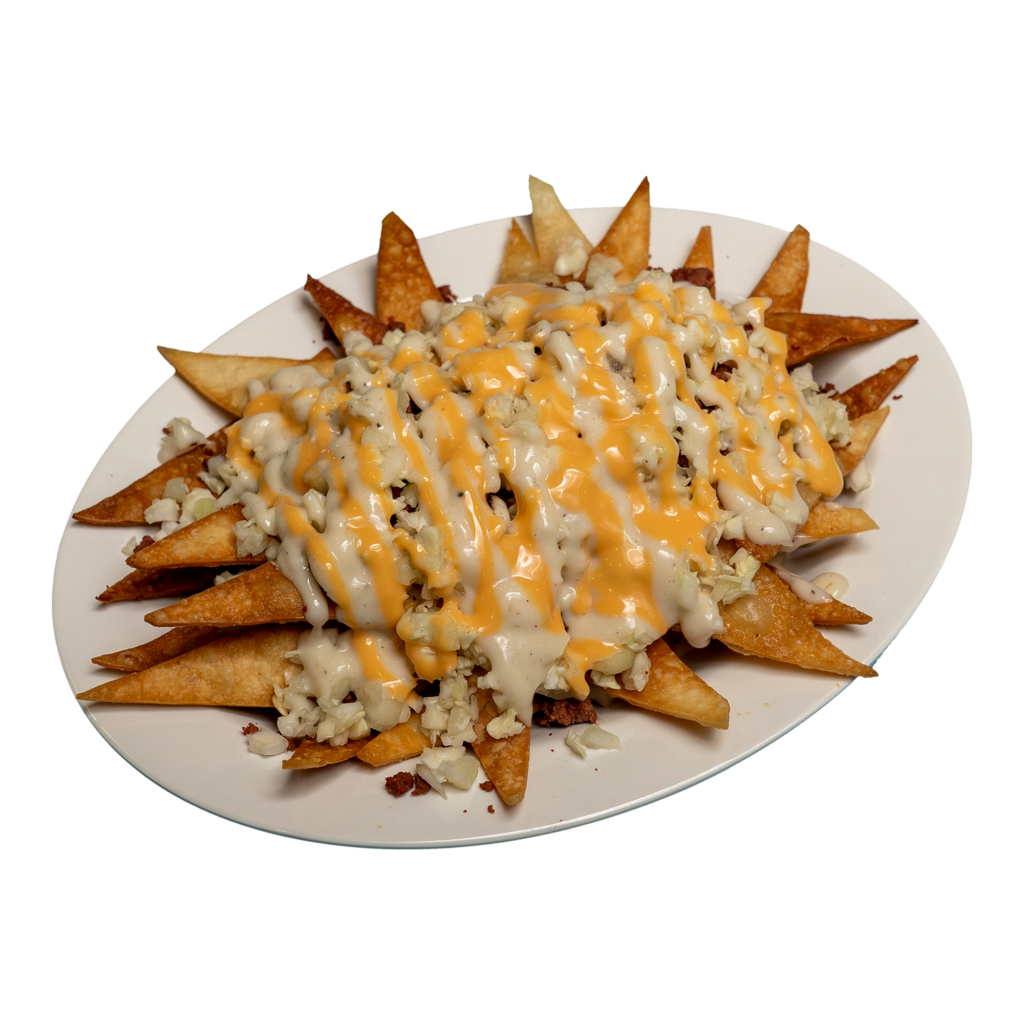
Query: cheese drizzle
pixel 535 487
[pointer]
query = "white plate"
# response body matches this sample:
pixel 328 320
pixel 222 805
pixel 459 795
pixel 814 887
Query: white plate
pixel 920 464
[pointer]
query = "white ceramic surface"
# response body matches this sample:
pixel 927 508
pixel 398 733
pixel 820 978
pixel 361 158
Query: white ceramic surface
pixel 920 464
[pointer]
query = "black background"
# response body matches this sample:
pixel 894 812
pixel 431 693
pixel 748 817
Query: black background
pixel 175 249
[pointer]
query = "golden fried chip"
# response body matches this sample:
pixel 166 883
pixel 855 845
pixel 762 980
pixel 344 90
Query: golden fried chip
pixel 224 379
pixel 396 744
pixel 208 541
pixel 869 394
pixel 809 334
pixel 809 494
pixel 166 646
pixel 521 264
pixel 126 508
pixel 310 754
pixel 673 689
pixel 561 245
pixel 145 584
pixel 835 613
pixel 762 552
pixel 862 433
pixel 773 623
pixel 830 519
pixel 699 268
pixel 256 597
pixel 403 281
pixel 505 762
pixel 240 670
pixel 341 314
pixel 629 238
pixel 785 280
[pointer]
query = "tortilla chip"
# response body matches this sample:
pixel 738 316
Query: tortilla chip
pixel 396 744
pixel 699 268
pixel 557 235
pixel 310 754
pixel 240 670
pixel 224 379
pixel 835 613
pixel 809 334
pixel 785 280
pixel 869 394
pixel 521 264
pixel 829 519
pixel 143 584
pixel 208 541
pixel 403 281
pixel 862 433
pixel 762 552
pixel 163 648
pixel 809 494
pixel 672 689
pixel 505 762
pixel 256 597
pixel 341 314
pixel 126 508
pixel 773 623
pixel 629 238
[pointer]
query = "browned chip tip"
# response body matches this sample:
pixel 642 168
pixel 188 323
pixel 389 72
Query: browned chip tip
pixel 869 394
pixel 785 280
pixel 403 281
pixel 341 314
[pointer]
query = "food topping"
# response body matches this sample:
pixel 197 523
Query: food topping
pixel 529 490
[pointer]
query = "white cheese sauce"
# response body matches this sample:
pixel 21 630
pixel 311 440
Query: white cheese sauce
pixel 550 502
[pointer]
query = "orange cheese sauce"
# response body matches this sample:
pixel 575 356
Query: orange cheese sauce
pixel 548 485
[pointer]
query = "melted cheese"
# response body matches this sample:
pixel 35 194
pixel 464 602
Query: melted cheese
pixel 539 484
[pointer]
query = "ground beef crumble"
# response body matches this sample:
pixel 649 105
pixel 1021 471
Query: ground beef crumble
pixel 548 712
pixel 487 787
pixel 446 293
pixel 400 784
pixel 248 730
pixel 700 276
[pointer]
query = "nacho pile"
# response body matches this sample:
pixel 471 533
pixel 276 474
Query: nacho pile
pixel 477 511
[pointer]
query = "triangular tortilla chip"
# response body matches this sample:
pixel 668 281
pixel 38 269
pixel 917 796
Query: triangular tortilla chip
pixel 773 623
pixel 629 238
pixel 126 508
pixel 785 280
pixel 310 754
pixel 166 646
pixel 699 268
pixel 810 334
pixel 240 670
pixel 341 314
pixel 869 394
pixel 521 264
pixel 396 744
pixel 672 689
pixel 208 541
pixel 835 613
pixel 557 235
pixel 145 584
pixel 224 379
pixel 762 552
pixel 862 433
pixel 259 596
pixel 403 281
pixel 505 762
pixel 830 519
